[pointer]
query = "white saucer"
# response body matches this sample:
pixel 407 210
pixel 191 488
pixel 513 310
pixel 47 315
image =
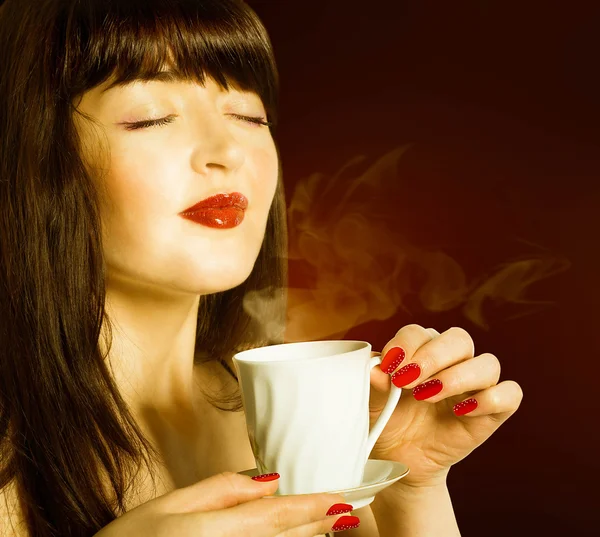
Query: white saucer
pixel 378 475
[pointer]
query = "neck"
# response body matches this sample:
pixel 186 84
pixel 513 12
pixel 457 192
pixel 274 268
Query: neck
pixel 152 352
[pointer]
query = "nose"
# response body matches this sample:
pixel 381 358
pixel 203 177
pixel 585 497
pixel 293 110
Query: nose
pixel 216 145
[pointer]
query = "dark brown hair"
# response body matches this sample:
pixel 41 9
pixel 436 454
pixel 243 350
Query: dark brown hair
pixel 63 422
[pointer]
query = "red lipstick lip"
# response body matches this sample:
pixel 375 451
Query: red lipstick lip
pixel 220 201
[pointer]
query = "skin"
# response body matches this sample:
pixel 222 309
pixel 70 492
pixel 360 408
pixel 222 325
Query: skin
pixel 426 435
pixel 158 263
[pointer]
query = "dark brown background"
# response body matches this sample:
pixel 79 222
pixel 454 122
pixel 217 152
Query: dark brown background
pixel 500 102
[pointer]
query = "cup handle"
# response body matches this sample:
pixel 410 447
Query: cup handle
pixel 387 411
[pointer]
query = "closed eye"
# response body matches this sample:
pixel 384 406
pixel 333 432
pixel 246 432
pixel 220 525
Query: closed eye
pixel 169 119
pixel 255 120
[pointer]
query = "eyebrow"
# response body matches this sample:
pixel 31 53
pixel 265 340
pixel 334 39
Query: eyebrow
pixel 160 76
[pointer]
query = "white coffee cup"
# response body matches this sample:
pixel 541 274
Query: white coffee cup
pixel 307 412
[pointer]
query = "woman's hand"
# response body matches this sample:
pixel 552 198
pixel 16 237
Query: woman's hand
pixel 228 505
pixel 437 372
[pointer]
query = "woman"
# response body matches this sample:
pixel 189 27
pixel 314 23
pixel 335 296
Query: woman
pixel 119 315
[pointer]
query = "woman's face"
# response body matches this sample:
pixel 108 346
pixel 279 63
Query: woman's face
pixel 152 174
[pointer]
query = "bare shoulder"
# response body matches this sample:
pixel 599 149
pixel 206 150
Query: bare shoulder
pixel 11 517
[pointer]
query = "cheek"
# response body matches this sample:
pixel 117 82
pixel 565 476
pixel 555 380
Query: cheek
pixel 142 196
pixel 145 181
pixel 265 182
pixel 140 183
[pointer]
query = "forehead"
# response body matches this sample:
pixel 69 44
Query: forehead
pixel 112 90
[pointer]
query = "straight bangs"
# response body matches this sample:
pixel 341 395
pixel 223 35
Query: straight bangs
pixel 123 41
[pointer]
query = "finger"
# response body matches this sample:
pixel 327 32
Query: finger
pixel 498 402
pixel 453 346
pixel 380 382
pixel 267 517
pixel 473 375
pixel 324 527
pixel 433 332
pixel 220 491
pixel 401 347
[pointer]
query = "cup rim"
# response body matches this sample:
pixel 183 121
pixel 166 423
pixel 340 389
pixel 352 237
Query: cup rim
pixel 246 356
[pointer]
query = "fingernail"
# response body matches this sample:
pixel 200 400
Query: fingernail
pixel 339 508
pixel 266 477
pixel 409 373
pixel 392 359
pixel 465 407
pixel 346 523
pixel 427 389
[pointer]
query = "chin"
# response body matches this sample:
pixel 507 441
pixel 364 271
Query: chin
pixel 225 279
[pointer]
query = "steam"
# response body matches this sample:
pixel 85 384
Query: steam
pixel 346 245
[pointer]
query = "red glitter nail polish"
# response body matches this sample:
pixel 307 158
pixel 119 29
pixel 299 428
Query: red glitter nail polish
pixel 409 373
pixel 266 477
pixel 427 389
pixel 339 508
pixel 392 359
pixel 346 523
pixel 465 407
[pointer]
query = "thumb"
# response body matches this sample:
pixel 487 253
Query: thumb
pixel 220 491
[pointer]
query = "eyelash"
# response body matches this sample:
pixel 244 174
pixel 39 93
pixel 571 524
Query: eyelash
pixel 169 119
